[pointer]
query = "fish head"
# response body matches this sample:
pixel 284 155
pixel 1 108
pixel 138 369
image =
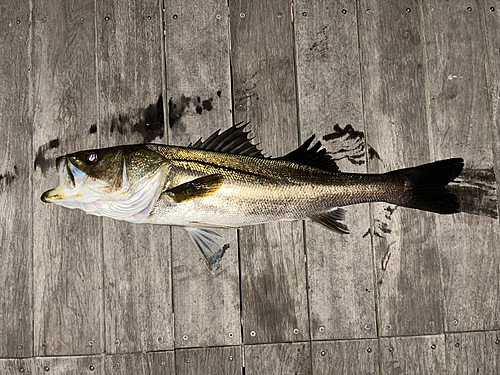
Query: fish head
pixel 91 180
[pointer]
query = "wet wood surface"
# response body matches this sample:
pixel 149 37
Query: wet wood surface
pixel 383 86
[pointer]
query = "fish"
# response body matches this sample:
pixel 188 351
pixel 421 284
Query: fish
pixel 225 181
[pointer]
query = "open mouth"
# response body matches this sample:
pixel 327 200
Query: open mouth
pixel 67 175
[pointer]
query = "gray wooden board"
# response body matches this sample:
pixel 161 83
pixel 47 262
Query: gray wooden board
pixel 209 361
pixel 413 355
pixel 81 365
pixel 345 357
pixel 137 271
pixel 459 123
pixel 405 246
pixel 473 352
pixel 161 363
pixel 17 366
pixel 491 16
pixel 67 254
pixel 284 358
pixel 127 364
pixel 340 277
pixel 273 282
pixel 206 307
pixel 15 181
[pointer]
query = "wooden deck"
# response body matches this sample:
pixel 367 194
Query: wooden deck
pixel 385 84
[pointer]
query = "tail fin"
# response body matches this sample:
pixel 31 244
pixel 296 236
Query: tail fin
pixel 429 182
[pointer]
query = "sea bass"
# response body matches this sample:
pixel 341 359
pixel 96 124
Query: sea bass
pixel 226 182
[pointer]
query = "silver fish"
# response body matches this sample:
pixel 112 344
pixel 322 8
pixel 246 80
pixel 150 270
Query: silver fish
pixel 226 182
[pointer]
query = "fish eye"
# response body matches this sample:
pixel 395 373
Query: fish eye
pixel 91 158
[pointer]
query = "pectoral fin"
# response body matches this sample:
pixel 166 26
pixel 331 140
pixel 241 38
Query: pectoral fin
pixel 209 244
pixel 195 189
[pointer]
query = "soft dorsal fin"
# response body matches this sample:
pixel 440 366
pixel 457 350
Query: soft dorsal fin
pixel 315 156
pixel 232 141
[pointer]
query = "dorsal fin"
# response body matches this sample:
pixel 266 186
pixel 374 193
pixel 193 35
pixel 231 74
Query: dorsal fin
pixel 232 141
pixel 315 156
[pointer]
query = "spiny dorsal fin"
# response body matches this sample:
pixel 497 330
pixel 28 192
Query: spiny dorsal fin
pixel 232 141
pixel 315 156
pixel 332 220
pixel 196 189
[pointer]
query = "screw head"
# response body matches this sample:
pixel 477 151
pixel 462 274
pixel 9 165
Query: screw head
pixel 252 333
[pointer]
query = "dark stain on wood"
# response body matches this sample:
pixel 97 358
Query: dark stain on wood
pixel 151 124
pixel 476 192
pixel 40 160
pixel 93 129
pixel 7 178
pixel 348 143
pixel 178 107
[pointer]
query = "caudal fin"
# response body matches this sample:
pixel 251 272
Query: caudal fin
pixel 429 182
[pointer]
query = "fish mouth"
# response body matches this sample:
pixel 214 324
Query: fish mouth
pixel 67 173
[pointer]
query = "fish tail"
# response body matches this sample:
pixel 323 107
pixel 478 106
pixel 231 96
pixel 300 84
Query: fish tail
pixel 428 185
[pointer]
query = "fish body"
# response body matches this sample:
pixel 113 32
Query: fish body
pixel 226 182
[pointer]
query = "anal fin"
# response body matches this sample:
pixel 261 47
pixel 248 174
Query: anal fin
pixel 332 220
pixel 209 244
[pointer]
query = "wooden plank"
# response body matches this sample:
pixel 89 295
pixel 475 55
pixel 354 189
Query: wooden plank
pixel 273 281
pixel 345 357
pixel 15 181
pixel 67 249
pixel 473 352
pixel 84 365
pixel 137 269
pixel 406 254
pixel 127 364
pixel 491 22
pixel 17 366
pixel 161 363
pixel 206 307
pixel 209 361
pixel 340 277
pixel 459 126
pixel 413 355
pixel 286 358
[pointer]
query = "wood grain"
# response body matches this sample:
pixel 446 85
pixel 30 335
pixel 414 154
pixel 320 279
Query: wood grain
pixel 413 355
pixel 459 126
pixel 67 248
pixel 345 357
pixel 17 366
pixel 209 361
pixel 127 364
pixel 82 365
pixel 137 269
pixel 283 358
pixel 206 307
pixel 473 352
pixel 273 282
pixel 405 246
pixel 340 277
pixel 15 182
pixel 161 363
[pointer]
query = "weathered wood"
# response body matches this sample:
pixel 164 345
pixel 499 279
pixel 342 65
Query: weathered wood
pixel 341 290
pixel 473 352
pixel 209 361
pixel 161 363
pixel 413 355
pixel 459 126
pixel 17 366
pixel 88 365
pixel 491 16
pixel 67 249
pixel 206 307
pixel 287 358
pixel 127 364
pixel 137 271
pixel 345 357
pixel 273 282
pixel 406 254
pixel 15 181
